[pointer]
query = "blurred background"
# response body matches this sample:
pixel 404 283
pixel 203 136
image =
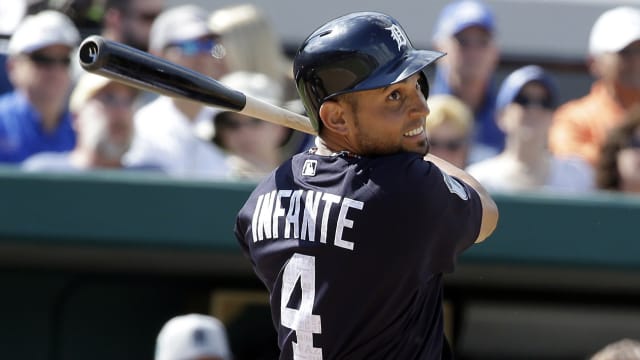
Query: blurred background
pixel 92 263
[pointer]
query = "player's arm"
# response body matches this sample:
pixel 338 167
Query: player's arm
pixel 489 208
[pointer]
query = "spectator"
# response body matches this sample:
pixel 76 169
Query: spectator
pixel 449 127
pixel 167 129
pixel 193 337
pixel 34 117
pixel 625 349
pixel 580 126
pixel 255 146
pixel 619 166
pixel 103 119
pixel 11 13
pixel 253 45
pixel 465 30
pixel 129 21
pixel 524 108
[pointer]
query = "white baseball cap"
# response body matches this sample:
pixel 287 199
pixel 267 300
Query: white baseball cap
pixel 614 30
pixel 46 28
pixel 11 13
pixel 179 23
pixel 188 337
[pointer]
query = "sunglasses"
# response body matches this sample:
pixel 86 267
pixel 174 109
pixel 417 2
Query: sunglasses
pixel 634 143
pixel 45 61
pixel 629 52
pixel 526 101
pixel 480 42
pixel 147 17
pixel 450 145
pixel 114 100
pixel 195 47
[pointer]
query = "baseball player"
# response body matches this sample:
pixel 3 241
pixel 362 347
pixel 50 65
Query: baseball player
pixel 351 238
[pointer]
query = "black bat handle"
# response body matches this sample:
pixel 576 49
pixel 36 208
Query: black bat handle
pixel 143 70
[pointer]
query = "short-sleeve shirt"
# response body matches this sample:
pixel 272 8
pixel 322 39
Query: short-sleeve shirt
pixel 167 137
pixel 352 251
pixel 21 132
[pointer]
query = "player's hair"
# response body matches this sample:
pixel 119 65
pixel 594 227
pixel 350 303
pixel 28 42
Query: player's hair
pixel 607 174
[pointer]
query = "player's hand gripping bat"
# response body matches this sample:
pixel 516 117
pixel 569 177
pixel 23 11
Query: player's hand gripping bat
pixel 148 72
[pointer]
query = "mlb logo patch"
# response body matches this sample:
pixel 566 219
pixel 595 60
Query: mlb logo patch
pixel 309 168
pixel 455 187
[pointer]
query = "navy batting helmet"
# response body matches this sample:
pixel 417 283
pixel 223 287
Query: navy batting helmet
pixel 357 51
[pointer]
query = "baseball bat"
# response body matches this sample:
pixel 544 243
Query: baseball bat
pixel 145 71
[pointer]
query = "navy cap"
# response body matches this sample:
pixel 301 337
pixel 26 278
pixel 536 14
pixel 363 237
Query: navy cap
pixel 460 15
pixel 513 84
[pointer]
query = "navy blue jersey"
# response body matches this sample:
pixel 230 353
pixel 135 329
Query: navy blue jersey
pixel 352 251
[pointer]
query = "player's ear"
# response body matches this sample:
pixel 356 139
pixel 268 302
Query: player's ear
pixel 332 115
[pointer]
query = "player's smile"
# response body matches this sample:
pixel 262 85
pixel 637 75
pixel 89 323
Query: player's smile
pixel 414 132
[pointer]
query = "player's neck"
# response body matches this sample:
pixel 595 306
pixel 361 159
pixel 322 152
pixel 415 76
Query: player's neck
pixel 327 147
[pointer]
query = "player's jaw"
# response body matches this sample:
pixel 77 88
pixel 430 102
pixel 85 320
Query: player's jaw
pixel 415 139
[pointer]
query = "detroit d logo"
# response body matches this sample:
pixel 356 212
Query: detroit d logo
pixel 397 35
pixel 309 168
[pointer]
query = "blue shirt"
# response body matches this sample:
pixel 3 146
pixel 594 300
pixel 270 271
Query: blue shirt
pixel 352 251
pixel 21 132
pixel 486 131
pixel 5 84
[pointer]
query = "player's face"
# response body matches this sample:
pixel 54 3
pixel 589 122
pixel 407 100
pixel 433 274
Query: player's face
pixel 389 120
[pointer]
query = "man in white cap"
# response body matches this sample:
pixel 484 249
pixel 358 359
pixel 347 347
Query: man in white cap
pixel 34 117
pixel 103 119
pixel 193 337
pixel 166 128
pixel 580 126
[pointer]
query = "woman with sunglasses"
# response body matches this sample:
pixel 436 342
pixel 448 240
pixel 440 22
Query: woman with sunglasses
pixel 450 131
pixel 524 109
pixel 254 147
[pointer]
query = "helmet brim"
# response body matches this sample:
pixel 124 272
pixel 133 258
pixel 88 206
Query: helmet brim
pixel 413 61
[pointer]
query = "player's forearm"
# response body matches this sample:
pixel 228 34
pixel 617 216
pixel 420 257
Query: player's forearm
pixel 489 208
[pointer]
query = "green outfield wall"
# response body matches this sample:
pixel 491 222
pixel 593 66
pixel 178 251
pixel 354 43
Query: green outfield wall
pixel 91 265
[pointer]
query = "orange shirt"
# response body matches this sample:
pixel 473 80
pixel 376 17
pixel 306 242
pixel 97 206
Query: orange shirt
pixel 581 126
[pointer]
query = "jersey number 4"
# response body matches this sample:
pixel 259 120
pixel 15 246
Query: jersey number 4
pixel 301 320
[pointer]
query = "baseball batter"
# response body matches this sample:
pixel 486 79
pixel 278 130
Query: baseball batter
pixel 352 237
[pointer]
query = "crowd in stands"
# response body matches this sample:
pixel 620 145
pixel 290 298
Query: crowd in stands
pixel 512 135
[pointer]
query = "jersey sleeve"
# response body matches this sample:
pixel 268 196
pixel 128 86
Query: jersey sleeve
pixel 455 213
